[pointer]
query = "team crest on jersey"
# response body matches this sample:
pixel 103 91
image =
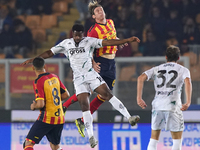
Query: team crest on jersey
pixel 77 50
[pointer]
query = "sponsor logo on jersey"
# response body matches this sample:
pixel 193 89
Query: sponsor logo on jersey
pixel 166 92
pixel 77 50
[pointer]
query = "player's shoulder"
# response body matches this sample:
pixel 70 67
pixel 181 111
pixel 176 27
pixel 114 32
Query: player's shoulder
pixel 89 40
pixel 67 40
pixel 41 78
pixel 181 67
pixel 53 75
pixel 92 28
pixel 64 42
pixel 110 20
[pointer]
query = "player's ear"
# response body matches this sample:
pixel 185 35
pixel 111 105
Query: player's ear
pixel 45 67
pixel 165 57
pixel 93 16
pixel 33 68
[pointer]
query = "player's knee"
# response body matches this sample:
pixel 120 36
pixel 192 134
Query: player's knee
pixel 27 143
pixel 84 106
pixel 107 95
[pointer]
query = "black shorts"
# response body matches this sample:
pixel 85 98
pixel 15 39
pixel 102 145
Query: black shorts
pixel 40 129
pixel 108 70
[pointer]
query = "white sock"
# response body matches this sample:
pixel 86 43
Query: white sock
pixel 176 144
pixel 117 104
pixel 152 144
pixel 87 117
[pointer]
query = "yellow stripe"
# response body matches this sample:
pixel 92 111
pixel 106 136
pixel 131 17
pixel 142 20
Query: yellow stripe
pixel 39 99
pixel 100 36
pixel 28 146
pixel 101 99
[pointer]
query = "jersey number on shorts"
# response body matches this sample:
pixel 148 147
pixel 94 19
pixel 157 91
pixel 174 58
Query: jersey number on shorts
pixel 169 83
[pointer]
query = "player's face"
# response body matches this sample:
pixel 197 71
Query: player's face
pixel 99 13
pixel 77 36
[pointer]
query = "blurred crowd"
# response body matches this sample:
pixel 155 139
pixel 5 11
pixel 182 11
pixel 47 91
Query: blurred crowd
pixel 16 39
pixel 158 23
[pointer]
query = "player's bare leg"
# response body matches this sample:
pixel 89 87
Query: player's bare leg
pixel 83 99
pixel 177 140
pixel 116 103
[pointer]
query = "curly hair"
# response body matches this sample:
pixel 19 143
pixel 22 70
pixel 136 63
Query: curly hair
pixel 172 53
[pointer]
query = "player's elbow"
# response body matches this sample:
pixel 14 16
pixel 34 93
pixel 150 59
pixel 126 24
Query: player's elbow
pixel 142 78
pixel 65 95
pixel 40 104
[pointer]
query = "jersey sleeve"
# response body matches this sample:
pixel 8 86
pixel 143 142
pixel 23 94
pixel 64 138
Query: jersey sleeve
pixel 60 48
pixel 92 32
pixel 96 43
pixel 150 73
pixel 186 74
pixel 39 91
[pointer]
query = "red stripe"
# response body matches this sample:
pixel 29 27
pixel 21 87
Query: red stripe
pixel 45 117
pixel 97 53
pixel 104 49
pixel 111 49
pixel 59 119
pixel 30 140
pixel 52 120
pixel 39 116
pixel 63 119
pixel 28 147
pixel 100 28
pixel 107 28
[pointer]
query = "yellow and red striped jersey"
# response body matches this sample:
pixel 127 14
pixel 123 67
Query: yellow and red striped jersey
pixel 49 88
pixel 104 31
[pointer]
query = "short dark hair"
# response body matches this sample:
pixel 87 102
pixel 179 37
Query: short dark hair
pixel 92 6
pixel 172 53
pixel 78 28
pixel 38 63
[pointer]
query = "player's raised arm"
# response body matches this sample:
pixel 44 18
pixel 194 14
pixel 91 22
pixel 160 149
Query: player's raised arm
pixel 46 54
pixel 114 42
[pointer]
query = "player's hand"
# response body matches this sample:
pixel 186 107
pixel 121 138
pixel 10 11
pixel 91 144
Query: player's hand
pixel 185 106
pixel 33 105
pixel 141 103
pixel 27 62
pixel 134 39
pixel 96 67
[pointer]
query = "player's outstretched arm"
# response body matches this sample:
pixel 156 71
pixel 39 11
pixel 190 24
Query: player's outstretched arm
pixel 140 84
pixel 114 42
pixel 46 54
pixel 188 92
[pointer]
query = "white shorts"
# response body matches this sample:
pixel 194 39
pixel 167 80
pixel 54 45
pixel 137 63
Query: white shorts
pixel 172 121
pixel 89 84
